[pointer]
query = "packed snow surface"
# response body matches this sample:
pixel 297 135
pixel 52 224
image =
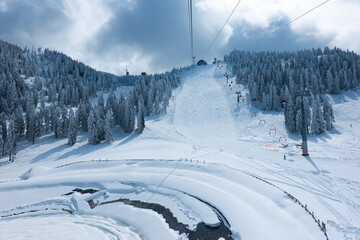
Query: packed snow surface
pixel 208 151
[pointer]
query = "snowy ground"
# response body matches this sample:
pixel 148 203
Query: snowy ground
pixel 207 146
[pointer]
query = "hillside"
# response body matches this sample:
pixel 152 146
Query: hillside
pixel 210 159
pixel 46 92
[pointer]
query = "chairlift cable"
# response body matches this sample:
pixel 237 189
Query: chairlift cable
pixel 287 24
pixel 222 28
pixel 191 30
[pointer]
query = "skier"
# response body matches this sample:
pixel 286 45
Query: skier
pixel 284 157
pixel 350 125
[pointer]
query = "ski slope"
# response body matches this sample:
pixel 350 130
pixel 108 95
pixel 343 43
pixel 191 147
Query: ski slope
pixel 208 160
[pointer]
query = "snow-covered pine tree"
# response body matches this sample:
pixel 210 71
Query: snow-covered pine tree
pixel 92 129
pixel 30 123
pixel 328 115
pixel 167 96
pixel 46 119
pixel 336 88
pixel 58 126
pixel 12 138
pixel 121 111
pixel 52 117
pixel 37 126
pixel 73 128
pixel 317 121
pixel 64 120
pixel 108 127
pixel 126 117
pixel 157 102
pixel 150 103
pixel 100 132
pixel 329 81
pixel 141 116
pixel 20 121
pixel 101 105
pixel 3 133
pixel 83 116
pixel 290 115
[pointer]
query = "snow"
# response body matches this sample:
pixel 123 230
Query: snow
pixel 65 227
pixel 207 145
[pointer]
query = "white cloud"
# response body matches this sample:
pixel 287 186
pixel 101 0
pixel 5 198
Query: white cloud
pixel 153 36
pixel 336 20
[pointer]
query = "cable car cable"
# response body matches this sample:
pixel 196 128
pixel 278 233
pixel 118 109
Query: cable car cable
pixel 222 28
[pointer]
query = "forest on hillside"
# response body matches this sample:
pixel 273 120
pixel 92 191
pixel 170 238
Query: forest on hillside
pixel 45 91
pixel 278 80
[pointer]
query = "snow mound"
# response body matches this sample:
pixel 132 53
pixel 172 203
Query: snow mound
pixel 34 171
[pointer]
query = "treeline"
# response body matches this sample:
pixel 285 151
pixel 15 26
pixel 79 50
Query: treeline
pixel 278 79
pixel 48 92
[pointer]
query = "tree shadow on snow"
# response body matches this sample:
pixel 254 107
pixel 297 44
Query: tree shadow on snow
pixel 50 152
pixel 321 137
pixel 87 148
pixel 354 95
pixel 5 162
pixel 82 150
pixel 129 138
pixel 50 139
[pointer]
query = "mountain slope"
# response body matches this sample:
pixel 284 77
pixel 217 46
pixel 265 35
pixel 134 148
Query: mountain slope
pixel 209 146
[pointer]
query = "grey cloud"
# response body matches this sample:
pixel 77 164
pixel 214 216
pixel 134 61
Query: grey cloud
pixel 157 28
pixel 282 40
pixel 35 18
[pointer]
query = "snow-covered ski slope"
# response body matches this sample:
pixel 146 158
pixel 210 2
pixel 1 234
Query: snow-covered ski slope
pixel 208 160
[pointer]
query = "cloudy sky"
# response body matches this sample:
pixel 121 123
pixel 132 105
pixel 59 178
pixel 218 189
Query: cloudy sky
pixel 153 35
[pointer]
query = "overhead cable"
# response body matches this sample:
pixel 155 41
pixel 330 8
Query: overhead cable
pixel 222 28
pixel 287 24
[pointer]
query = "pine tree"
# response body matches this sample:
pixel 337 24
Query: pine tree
pixel 72 131
pixel 46 116
pixel 150 103
pixel 328 115
pixel 108 130
pixel 83 116
pixel 290 116
pixel 3 130
pixel 131 125
pixel 121 111
pixel 56 121
pixel 317 121
pixel 157 102
pixel 92 135
pixel 37 126
pixel 12 138
pixel 64 121
pixel 141 115
pixel 20 121
pixel 100 132
pixel 336 88
pixel 30 123
pixel 126 117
